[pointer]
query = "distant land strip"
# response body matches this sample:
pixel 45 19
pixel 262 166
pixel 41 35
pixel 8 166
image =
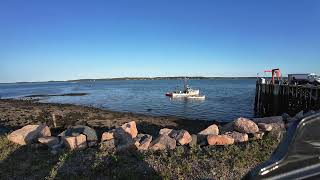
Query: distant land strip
pixel 142 78
pixel 161 78
pixel 49 95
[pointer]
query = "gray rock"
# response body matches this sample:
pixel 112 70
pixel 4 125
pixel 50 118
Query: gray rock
pixel 163 142
pixel 211 130
pixel 245 125
pixel 74 131
pixel 80 129
pixel 49 141
pixel 238 137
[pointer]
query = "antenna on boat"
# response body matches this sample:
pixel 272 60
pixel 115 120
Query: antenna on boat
pixel 185 83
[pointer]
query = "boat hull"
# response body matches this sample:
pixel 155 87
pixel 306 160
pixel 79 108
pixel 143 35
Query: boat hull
pixel 191 93
pixel 196 97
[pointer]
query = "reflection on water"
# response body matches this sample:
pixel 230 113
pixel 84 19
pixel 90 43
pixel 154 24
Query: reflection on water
pixel 186 100
pixel 225 99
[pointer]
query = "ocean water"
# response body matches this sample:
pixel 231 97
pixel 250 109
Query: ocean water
pixel 225 99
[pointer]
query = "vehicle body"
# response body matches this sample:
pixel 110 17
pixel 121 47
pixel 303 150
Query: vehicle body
pixel 297 156
pixel 303 79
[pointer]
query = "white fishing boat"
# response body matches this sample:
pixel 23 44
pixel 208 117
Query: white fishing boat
pixel 187 92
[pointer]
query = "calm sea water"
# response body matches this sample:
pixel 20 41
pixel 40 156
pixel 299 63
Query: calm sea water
pixel 225 99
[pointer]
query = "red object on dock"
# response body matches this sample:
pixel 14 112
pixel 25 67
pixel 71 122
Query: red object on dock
pixel 275 72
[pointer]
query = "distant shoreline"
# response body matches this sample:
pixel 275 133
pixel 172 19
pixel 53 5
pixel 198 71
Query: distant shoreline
pixel 140 78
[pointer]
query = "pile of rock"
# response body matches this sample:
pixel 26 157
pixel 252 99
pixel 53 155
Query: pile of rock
pixel 126 137
pixel 76 137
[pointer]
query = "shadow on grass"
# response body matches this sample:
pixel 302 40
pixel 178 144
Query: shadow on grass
pixel 24 162
pixel 94 164
pixel 36 162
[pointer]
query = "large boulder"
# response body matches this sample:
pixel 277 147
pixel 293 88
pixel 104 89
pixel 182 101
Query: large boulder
pixel 163 142
pixel 143 141
pixel 130 128
pixel 220 140
pixel 75 142
pixel 211 130
pixel 29 134
pixel 238 137
pixel 91 135
pixel 81 129
pixel 181 136
pixel 50 141
pixel 245 125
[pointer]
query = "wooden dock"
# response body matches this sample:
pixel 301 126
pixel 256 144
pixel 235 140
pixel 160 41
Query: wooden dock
pixel 275 99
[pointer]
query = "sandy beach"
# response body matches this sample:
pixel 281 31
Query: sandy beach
pixel 17 113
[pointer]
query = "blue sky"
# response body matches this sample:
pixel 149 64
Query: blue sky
pixel 60 40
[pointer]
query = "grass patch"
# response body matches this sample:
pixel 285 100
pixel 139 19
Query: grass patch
pixel 211 162
pixel 6 148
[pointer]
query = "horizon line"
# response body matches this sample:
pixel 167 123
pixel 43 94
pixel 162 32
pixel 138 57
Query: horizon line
pixel 135 78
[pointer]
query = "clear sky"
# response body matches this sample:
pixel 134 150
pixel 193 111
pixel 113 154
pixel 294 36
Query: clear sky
pixel 59 40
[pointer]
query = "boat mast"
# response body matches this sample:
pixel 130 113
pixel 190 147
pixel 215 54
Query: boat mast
pixel 185 83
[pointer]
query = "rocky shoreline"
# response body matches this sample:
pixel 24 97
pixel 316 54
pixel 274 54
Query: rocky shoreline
pixel 152 142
